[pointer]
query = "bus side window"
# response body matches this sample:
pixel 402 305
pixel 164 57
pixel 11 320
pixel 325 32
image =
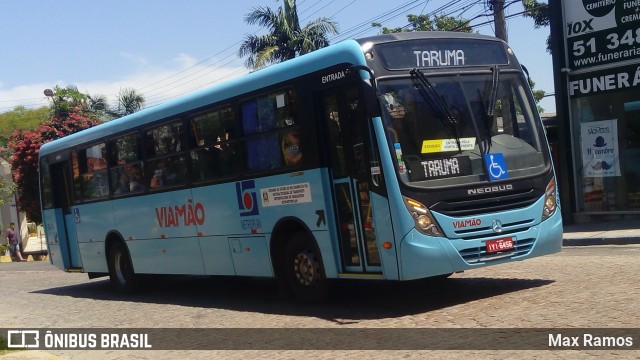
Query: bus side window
pixel 269 146
pixel 213 153
pixel 91 180
pixel 165 159
pixel 124 162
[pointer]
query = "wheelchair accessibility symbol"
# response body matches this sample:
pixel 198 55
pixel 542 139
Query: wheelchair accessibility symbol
pixel 496 166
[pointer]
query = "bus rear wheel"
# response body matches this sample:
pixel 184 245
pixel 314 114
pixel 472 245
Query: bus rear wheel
pixel 304 270
pixel 121 272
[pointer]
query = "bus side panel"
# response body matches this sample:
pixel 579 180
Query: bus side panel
pixel 251 256
pixel 72 241
pixel 384 233
pixel 328 241
pixel 160 231
pixel 166 256
pixel 216 255
pixel 549 236
pixel 56 238
pixel 156 216
pixel 253 207
pixel 93 256
pixel 303 196
pixel 329 252
pixel 93 221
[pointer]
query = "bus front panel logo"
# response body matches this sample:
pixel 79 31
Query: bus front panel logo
pixel 247 198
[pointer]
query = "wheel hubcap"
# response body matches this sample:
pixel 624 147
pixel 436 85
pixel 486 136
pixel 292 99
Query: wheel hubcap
pixel 303 268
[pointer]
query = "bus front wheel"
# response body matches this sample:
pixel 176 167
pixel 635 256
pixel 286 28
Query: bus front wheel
pixel 304 270
pixel 120 268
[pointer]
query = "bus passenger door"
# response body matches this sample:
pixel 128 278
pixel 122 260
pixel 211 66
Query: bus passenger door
pixel 65 228
pixel 349 155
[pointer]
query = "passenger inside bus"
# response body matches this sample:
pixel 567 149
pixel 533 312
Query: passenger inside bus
pixel 291 148
pixel 137 181
pixel 401 122
pixel 122 185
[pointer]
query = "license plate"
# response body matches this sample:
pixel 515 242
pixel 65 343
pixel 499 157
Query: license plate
pixel 498 245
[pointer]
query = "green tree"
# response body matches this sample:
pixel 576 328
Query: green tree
pixel 20 118
pixel 427 23
pixel 285 39
pixel 129 102
pixel 23 148
pixel 537 95
pixel 99 105
pixel 539 12
pixel 68 99
pixel 7 190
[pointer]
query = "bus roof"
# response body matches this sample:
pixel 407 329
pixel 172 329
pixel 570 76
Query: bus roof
pixel 348 51
pixel 414 35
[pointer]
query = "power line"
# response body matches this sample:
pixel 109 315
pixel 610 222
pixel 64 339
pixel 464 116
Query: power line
pixel 153 91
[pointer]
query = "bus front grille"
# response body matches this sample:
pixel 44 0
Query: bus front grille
pixel 487 204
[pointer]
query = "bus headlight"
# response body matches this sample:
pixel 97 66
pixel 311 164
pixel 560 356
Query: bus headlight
pixel 550 200
pixel 425 223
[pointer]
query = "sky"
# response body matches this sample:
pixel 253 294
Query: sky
pixel 167 48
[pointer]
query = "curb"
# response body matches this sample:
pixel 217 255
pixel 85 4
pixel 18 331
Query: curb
pixel 601 241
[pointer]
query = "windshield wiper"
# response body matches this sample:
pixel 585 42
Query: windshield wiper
pixel 488 109
pixel 494 92
pixel 437 102
pixel 472 115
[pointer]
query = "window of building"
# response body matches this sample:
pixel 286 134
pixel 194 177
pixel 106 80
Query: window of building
pixel 607 144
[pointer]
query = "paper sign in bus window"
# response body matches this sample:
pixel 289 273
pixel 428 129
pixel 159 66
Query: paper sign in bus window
pixel 443 145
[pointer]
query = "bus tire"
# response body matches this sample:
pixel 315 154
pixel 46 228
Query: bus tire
pixel 121 273
pixel 304 271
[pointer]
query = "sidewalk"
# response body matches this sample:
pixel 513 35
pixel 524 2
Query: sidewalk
pixel 621 232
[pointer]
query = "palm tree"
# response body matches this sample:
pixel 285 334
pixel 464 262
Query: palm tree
pixel 129 101
pixel 285 39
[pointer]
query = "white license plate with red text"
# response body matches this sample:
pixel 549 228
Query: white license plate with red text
pixel 498 245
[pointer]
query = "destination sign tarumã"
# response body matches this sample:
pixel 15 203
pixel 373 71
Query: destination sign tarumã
pixel 441 53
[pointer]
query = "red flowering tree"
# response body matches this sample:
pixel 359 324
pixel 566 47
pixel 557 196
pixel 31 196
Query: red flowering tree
pixel 25 146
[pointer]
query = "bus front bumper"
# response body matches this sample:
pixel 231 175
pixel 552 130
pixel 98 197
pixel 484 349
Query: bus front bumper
pixel 423 256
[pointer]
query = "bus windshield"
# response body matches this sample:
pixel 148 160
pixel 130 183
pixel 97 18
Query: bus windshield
pixel 441 127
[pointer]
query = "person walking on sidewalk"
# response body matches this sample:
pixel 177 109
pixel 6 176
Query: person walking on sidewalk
pixel 14 244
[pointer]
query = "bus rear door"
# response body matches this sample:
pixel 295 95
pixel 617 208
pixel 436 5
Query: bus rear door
pixel 60 221
pixel 349 155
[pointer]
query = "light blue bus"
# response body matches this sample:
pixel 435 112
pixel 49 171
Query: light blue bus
pixel 394 157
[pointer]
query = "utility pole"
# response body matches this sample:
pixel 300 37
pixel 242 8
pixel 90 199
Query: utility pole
pixel 498 19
